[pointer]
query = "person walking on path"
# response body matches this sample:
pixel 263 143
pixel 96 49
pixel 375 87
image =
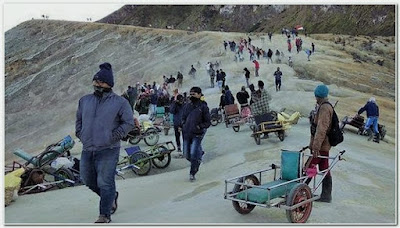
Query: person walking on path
pixel 132 96
pixel 243 97
pixel 308 52
pixel 153 103
pixel 220 80
pixel 180 79
pixel 260 105
pixel 319 141
pixel 229 99
pixel 212 77
pixel 177 110
pixel 195 120
pixel 372 110
pixel 256 66
pixel 269 55
pixel 102 120
pixel 192 72
pixel 247 75
pixel 223 77
pixel 278 75
pixel 312 47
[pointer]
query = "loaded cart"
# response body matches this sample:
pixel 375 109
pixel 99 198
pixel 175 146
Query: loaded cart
pixel 40 174
pixel 289 191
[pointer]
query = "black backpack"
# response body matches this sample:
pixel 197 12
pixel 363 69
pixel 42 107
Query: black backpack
pixel 335 135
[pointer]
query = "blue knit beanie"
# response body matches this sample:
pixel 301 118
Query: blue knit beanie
pixel 321 91
pixel 105 74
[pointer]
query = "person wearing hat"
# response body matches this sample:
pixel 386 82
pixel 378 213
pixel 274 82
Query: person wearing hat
pixel 195 121
pixel 103 118
pixel 372 110
pixel 319 142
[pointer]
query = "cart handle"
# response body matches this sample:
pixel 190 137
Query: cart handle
pixel 304 148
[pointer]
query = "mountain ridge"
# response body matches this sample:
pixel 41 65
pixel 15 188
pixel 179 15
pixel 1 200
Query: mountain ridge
pixel 371 20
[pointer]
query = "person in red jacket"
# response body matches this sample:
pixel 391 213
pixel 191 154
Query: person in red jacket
pixel 257 66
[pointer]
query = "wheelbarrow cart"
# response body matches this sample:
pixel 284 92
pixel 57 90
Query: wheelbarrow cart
pixel 140 161
pixel 289 192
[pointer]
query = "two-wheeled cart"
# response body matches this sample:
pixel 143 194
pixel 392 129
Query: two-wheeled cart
pixel 140 161
pixel 289 191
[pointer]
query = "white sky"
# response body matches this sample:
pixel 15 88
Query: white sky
pixel 16 13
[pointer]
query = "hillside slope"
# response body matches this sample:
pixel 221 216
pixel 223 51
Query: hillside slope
pixel 341 19
pixel 45 81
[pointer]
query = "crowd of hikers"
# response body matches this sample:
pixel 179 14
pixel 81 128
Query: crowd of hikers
pixel 191 116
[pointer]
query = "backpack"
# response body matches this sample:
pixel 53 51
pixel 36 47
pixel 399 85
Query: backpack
pixel 335 135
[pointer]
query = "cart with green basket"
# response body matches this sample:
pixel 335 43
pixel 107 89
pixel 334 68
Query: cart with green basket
pixel 289 192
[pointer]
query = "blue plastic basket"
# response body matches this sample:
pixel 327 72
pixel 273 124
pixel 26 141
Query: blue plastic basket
pixel 132 150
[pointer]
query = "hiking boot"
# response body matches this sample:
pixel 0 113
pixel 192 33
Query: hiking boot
pixel 115 204
pixel 376 138
pixel 191 177
pixel 179 150
pixel 326 195
pixel 103 219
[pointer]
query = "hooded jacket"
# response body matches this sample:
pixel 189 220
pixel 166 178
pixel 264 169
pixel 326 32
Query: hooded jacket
pixel 101 122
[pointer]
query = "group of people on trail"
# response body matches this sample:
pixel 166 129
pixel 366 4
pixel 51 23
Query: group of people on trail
pixel 103 118
pixel 218 76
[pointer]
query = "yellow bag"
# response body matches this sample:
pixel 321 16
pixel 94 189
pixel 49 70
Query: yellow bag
pixel 12 182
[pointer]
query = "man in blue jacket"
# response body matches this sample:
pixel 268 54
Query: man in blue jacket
pixel 102 120
pixel 195 121
pixel 372 118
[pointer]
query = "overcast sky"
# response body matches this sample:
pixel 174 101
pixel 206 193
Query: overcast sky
pixel 16 13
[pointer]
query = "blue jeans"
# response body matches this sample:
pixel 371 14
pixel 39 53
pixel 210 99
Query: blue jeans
pixel 193 152
pixel 97 170
pixel 372 120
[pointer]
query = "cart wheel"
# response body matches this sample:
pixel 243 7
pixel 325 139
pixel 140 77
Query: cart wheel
pixel 62 174
pixel 162 161
pixel 134 140
pixel 141 160
pixel 151 137
pixel 244 208
pixel 281 135
pixel 236 128
pixel 298 194
pixel 214 121
pixel 382 132
pixel 257 138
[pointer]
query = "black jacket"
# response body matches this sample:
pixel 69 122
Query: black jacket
pixel 242 97
pixel 195 118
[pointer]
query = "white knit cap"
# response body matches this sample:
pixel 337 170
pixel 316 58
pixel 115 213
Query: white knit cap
pixel 372 99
